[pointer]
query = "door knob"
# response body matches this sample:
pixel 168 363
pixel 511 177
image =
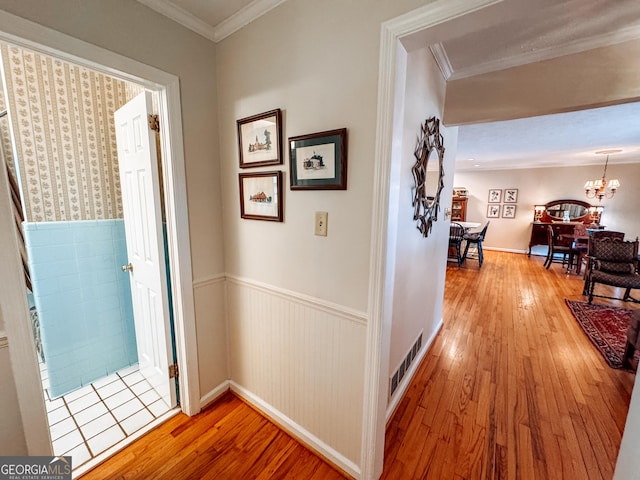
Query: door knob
pixel 126 268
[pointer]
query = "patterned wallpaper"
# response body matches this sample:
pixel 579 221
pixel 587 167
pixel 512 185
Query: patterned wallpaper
pixel 5 137
pixel 62 117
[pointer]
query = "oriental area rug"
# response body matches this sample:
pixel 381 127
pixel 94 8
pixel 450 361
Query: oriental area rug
pixel 606 326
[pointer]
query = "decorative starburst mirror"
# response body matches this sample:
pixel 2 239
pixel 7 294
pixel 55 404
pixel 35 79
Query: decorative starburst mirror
pixel 428 175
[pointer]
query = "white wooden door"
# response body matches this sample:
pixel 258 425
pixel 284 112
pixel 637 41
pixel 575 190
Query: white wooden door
pixel 139 179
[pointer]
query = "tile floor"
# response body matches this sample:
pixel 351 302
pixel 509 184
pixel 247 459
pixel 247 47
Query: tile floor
pixel 88 421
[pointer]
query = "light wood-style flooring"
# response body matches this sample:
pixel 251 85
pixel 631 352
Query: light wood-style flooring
pixel 227 441
pixel 511 387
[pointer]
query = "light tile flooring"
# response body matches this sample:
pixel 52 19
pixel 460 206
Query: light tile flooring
pixel 88 421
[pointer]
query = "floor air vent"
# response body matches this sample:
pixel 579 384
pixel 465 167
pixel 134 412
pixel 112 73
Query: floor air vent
pixel 398 375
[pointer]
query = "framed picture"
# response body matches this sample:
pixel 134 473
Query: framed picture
pixel 508 211
pixel 495 196
pixel 510 195
pixel 260 139
pixel 493 211
pixel 261 196
pixel 319 161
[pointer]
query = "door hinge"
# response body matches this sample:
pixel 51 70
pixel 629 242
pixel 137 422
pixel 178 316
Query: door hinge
pixel 154 123
pixel 173 371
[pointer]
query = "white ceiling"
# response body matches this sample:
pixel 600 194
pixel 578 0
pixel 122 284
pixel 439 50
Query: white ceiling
pixel 514 32
pixel 563 139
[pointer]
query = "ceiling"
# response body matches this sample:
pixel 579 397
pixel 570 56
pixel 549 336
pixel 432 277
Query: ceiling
pixel 514 32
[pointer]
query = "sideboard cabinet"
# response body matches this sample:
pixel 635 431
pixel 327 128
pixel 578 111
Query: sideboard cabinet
pixel 539 232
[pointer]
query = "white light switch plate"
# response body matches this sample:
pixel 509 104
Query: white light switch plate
pixel 321 223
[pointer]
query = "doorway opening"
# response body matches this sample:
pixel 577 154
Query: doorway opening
pixel 59 147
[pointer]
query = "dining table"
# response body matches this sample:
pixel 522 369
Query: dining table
pixel 469 225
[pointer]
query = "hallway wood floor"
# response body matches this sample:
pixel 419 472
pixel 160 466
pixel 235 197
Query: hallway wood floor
pixel 511 387
pixel 227 441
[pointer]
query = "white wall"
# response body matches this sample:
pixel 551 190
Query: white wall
pixel 541 185
pixel 420 263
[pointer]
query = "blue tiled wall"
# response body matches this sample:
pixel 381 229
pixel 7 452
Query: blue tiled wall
pixel 83 299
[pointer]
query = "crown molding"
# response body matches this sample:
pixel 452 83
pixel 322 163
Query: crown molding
pixel 216 33
pixel 442 60
pixel 181 16
pixel 243 17
pixel 576 46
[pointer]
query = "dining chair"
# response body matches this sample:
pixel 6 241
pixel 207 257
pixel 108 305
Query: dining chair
pixel 615 263
pixel 456 237
pixel 597 235
pixel 475 238
pixel 556 248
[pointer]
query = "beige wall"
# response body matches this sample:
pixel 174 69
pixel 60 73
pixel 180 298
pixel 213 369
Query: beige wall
pixel 420 263
pixel 318 62
pixel 585 80
pixel 542 185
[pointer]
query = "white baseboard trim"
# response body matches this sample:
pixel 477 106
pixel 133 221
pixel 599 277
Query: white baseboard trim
pixel 404 384
pixel 295 430
pixel 214 394
pixel 507 250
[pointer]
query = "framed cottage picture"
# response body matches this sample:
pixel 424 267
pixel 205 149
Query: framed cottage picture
pixel 260 139
pixel 261 196
pixel 319 161
pixel 508 211
pixel 495 195
pixel 493 211
pixel 510 195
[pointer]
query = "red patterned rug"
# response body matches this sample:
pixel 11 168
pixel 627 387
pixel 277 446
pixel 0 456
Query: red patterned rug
pixel 606 326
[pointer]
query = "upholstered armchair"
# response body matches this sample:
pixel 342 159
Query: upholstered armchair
pixel 613 262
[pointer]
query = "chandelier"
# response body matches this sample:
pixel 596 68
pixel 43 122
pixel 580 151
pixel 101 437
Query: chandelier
pixel 600 188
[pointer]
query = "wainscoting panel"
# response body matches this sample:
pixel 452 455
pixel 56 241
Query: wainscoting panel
pixel 303 357
pixel 209 299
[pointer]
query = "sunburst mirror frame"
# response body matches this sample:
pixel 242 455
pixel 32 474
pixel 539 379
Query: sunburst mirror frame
pixel 427 204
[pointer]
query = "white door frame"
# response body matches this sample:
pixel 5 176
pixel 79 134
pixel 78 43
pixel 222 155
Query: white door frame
pixel 14 311
pixel 390 75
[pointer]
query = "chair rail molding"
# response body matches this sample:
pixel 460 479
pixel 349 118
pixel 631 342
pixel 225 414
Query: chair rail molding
pixel 300 298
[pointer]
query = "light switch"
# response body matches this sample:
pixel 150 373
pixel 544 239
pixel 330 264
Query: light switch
pixel 321 223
